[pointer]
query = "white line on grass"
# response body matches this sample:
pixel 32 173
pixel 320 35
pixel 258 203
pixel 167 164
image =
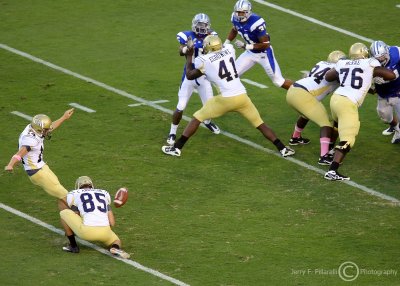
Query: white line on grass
pixel 81 107
pixel 163 109
pixel 254 83
pixel 312 20
pixel 91 245
pixel 20 114
pixel 156 101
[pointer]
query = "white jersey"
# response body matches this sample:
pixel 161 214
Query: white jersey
pixel 92 204
pixel 355 77
pixel 219 67
pixel 315 82
pixel 34 158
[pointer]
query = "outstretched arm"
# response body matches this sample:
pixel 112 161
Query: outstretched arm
pixel 67 114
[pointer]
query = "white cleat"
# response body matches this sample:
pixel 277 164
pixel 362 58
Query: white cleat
pixel 171 150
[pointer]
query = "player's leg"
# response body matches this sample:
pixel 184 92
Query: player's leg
pixel 299 99
pixel 248 110
pixel 244 62
pixel 272 69
pixel 184 94
pixel 46 179
pixel 346 114
pixel 71 220
pixel 385 113
pixel 206 93
pixel 395 103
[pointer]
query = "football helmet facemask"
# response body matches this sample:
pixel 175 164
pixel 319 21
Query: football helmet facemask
pixel 380 51
pixel 335 56
pixel 242 10
pixel 201 24
pixel 83 181
pixel 358 51
pixel 41 125
pixel 212 43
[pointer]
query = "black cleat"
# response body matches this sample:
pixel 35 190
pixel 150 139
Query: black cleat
pixel 298 141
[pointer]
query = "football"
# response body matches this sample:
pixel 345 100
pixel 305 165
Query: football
pixel 120 198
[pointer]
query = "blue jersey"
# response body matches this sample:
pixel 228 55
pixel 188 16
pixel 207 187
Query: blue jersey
pixel 392 88
pixel 182 38
pixel 251 30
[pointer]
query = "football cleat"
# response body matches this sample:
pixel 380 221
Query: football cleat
pixel 171 139
pixel 119 253
pixel 325 160
pixel 213 128
pixel 286 152
pixel 298 141
pixel 171 150
pixel 388 131
pixel 396 137
pixel 335 176
pixel 71 249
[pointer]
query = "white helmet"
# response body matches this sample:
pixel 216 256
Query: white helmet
pixel 380 51
pixel 201 24
pixel 244 8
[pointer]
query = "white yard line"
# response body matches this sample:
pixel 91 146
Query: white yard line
pixel 20 114
pixel 315 21
pixel 156 101
pixel 91 245
pixel 254 83
pixel 81 107
pixel 163 109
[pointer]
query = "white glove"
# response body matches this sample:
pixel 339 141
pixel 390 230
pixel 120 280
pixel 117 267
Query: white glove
pixel 379 80
pixel 189 42
pixel 239 44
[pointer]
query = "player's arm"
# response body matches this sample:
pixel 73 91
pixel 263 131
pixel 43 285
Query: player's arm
pixel 332 75
pixel 67 114
pixel 111 217
pixel 232 35
pixel 384 73
pixel 191 73
pixel 263 43
pixel 16 158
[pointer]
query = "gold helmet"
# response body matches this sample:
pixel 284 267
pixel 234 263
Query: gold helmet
pixel 83 181
pixel 41 124
pixel 358 51
pixel 335 56
pixel 212 43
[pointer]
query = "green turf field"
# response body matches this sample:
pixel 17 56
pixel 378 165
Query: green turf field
pixel 228 212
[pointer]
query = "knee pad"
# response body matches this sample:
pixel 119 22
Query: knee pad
pixel 343 146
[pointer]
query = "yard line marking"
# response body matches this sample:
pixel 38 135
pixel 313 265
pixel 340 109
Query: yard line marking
pixel 91 245
pixel 163 109
pixel 156 101
pixel 254 83
pixel 20 114
pixel 312 20
pixel 81 107
pixel 398 6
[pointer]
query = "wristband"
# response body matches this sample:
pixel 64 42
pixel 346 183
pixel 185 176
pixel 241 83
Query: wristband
pixel 184 50
pixel 249 47
pixel 227 42
pixel 18 157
